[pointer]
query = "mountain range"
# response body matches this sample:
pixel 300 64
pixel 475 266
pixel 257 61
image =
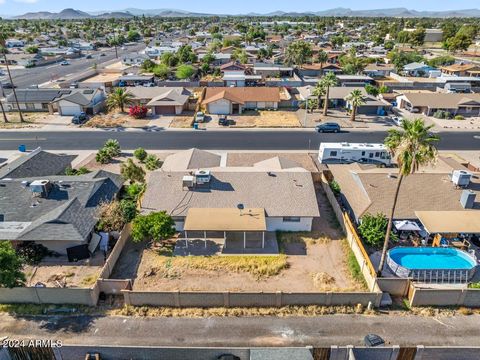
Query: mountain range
pixel 130 12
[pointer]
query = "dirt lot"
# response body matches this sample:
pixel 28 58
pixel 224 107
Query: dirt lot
pixel 31 120
pixel 309 262
pixel 181 121
pixel 116 119
pixel 56 274
pixel 266 119
pixel 248 159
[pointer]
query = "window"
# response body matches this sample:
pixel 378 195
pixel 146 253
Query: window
pixel 333 153
pixel 363 153
pixel 370 155
pixel 291 219
pixel 377 154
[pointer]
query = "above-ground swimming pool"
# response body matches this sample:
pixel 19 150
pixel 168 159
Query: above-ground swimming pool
pixel 432 264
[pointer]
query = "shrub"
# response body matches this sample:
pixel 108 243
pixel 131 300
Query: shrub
pixel 373 229
pixel 11 274
pixel 138 112
pixel 129 209
pixel 113 147
pixel 103 156
pixel 80 171
pixel 335 187
pixel 140 154
pixel 152 162
pixel 440 114
pixel 156 226
pixel 459 117
pixel 132 172
pixel 134 190
pixel 111 217
pixel 32 253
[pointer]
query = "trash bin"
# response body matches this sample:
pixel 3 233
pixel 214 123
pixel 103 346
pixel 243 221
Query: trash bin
pixel 195 126
pixel 22 148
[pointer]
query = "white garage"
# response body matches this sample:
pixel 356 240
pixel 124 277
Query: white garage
pixel 67 108
pixel 220 107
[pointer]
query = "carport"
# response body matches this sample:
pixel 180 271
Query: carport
pixel 227 221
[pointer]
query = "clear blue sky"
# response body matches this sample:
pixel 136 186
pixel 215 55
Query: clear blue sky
pixel 14 7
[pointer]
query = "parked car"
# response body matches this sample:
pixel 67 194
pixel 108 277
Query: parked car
pixel 397 120
pixel 200 117
pixel 88 56
pixel 7 85
pixel 224 121
pixel 328 127
pixel 150 84
pixel 74 85
pixel 103 54
pixel 79 119
pixel 64 63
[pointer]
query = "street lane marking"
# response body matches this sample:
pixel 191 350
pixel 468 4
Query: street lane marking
pixel 26 139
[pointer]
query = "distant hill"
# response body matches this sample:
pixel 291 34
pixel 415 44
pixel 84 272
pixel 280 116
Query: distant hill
pixel 126 13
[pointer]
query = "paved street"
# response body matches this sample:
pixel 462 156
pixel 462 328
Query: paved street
pixel 222 139
pixel 246 331
pixel 38 75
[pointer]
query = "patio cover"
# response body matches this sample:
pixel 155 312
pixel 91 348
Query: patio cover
pixel 447 222
pixel 406 225
pixel 225 219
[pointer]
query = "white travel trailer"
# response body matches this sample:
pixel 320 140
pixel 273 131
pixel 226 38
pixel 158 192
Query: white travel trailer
pixel 345 153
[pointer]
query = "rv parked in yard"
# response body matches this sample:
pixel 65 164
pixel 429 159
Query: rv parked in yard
pixel 345 153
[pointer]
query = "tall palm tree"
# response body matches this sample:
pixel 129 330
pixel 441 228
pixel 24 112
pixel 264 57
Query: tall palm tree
pixel 355 98
pixel 3 38
pixel 328 81
pixel 411 147
pixel 322 58
pixel 319 91
pixel 119 98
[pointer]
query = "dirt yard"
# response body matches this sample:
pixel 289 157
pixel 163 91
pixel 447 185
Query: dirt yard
pixel 62 275
pixel 309 262
pixel 181 122
pixel 31 120
pixel 270 119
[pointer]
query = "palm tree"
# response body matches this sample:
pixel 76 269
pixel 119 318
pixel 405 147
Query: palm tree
pixel 322 59
pixel 319 91
pixel 119 98
pixel 3 112
pixel 3 37
pixel 328 80
pixel 355 98
pixel 412 147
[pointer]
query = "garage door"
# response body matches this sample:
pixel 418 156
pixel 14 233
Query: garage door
pixel 165 110
pixel 71 110
pixel 219 108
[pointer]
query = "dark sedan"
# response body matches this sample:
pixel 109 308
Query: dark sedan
pixel 328 127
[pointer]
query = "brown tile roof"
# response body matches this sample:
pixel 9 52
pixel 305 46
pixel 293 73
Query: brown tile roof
pixel 440 100
pixel 371 190
pixel 461 67
pixel 242 94
pixel 232 63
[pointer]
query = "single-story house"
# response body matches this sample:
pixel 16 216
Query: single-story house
pixel 354 80
pixel 461 69
pixel 161 100
pixel 417 69
pixel 135 80
pixel 134 59
pixel 89 101
pixel 371 106
pixel 65 101
pixel 369 189
pixel 220 59
pixel 318 69
pixel 272 70
pixel 36 164
pixel 281 199
pixel 58 212
pixel 428 103
pixel 234 100
pixel 378 70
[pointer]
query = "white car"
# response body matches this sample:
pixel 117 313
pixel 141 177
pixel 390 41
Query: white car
pixel 64 63
pixel 397 120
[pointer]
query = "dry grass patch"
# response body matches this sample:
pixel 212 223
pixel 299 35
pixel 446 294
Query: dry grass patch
pixel 307 238
pixel 267 119
pixel 182 122
pixel 89 280
pixel 285 311
pixel 258 266
pixel 107 120
pixel 30 120
pixel 323 281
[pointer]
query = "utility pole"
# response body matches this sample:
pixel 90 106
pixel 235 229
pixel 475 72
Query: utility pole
pixel 2 44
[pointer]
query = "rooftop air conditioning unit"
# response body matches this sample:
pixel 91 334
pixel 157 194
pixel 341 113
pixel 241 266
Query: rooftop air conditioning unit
pixel 202 177
pixel 461 178
pixel 41 187
pixel 467 199
pixel 188 181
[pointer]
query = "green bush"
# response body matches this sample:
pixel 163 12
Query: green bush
pixel 73 172
pixel 440 114
pixel 335 187
pixel 129 209
pixel 474 285
pixel 140 154
pixel 459 117
pixel 155 226
pixel 373 229
pixel 152 162
pixel 112 147
pixel 134 190
pixel 32 253
pixel 103 156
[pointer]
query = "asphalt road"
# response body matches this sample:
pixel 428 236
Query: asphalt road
pixel 210 139
pixel 23 78
pixel 246 331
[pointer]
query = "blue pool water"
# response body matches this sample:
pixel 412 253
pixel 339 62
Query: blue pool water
pixel 432 258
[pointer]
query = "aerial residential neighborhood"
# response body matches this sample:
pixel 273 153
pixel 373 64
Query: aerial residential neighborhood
pixel 239 181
